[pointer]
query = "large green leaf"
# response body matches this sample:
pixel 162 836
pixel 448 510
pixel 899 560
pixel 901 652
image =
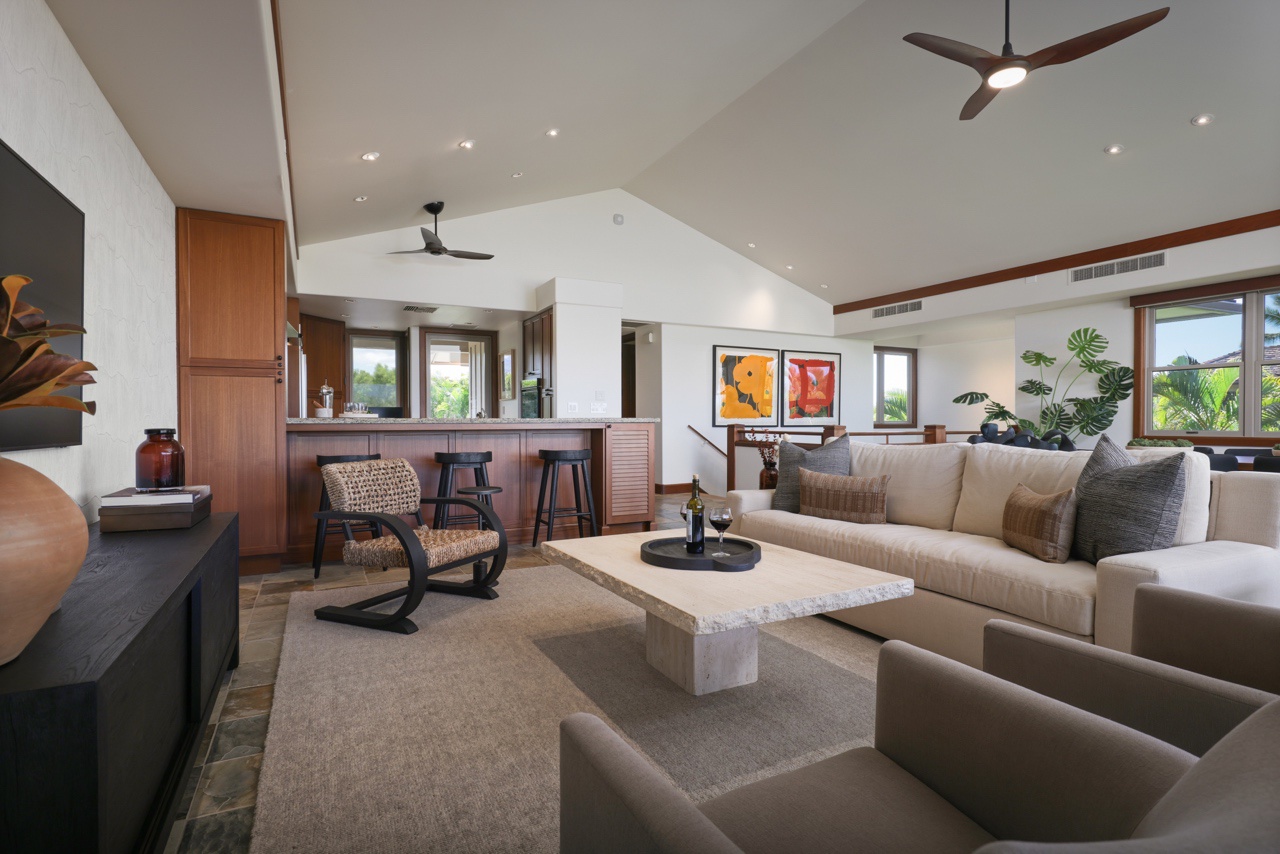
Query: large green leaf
pixel 1116 384
pixel 970 398
pixel 1092 415
pixel 1098 366
pixel 1087 343
pixel 1027 426
pixel 1055 417
pixel 998 412
pixel 1036 387
pixel 1038 360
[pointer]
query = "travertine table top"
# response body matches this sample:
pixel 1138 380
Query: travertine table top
pixel 785 584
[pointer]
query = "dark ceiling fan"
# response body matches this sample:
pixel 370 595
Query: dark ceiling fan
pixel 434 246
pixel 1009 68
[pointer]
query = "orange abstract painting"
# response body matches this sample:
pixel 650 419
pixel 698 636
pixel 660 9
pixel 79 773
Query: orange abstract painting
pixel 745 386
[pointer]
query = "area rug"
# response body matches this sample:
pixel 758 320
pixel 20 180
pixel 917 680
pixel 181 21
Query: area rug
pixel 448 740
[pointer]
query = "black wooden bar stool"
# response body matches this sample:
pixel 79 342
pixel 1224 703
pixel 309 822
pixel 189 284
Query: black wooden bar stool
pixel 450 464
pixel 483 494
pixel 325 528
pixel 547 510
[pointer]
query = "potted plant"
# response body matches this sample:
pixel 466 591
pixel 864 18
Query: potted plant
pixel 43 534
pixel 1063 418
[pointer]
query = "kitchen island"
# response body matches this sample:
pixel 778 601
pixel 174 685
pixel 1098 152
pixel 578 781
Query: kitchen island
pixel 622 452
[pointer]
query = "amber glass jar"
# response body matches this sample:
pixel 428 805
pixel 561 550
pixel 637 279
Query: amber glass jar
pixel 160 461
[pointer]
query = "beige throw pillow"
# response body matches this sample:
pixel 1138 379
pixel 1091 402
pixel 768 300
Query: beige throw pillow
pixel 1040 525
pixel 842 497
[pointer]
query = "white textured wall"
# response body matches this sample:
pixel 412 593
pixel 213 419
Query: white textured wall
pixel 946 370
pixel 588 359
pixel 53 115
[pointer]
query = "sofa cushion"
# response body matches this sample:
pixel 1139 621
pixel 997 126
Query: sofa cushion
pixel 1125 506
pixel 1040 525
pixel 842 804
pixel 843 497
pixel 925 480
pixel 1193 521
pixel 831 458
pixel 976 569
pixel 993 471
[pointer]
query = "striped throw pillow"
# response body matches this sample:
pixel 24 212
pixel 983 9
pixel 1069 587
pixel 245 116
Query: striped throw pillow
pixel 1040 525
pixel 843 497
pixel 1123 506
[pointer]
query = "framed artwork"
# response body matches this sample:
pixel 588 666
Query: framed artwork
pixel 745 386
pixel 508 369
pixel 811 389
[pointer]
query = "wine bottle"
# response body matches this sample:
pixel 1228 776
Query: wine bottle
pixel 693 524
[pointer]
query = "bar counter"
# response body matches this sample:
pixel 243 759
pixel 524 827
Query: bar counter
pixel 621 466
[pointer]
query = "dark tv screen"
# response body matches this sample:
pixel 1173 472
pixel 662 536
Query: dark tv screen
pixel 42 237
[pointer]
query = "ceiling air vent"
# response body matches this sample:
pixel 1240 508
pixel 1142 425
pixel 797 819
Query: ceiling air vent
pixel 1115 268
pixel 462 326
pixel 422 309
pixel 900 308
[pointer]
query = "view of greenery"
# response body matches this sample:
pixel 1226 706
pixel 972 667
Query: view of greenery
pixel 374 389
pixel 450 396
pixel 1207 399
pixel 895 405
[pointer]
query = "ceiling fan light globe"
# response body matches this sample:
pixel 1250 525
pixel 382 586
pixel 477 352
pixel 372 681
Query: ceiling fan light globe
pixel 1007 75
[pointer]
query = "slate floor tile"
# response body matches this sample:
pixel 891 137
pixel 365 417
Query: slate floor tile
pixel 239 737
pixel 228 785
pixel 219 833
pixel 246 702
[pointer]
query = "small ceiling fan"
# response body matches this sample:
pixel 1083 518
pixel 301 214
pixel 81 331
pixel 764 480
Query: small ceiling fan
pixel 1009 68
pixel 433 244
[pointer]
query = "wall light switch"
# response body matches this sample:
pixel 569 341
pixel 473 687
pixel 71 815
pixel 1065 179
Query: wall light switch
pixel 573 407
pixel 599 408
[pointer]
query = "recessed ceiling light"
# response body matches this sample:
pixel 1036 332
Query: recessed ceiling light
pixel 824 287
pixel 517 174
pixel 553 132
pixel 348 300
pixel 360 199
pixel 467 144
pixel 370 156
pixel 789 267
pixel 751 246
pixel 1114 148
pixel 346 315
pixel 488 311
pixel 1202 120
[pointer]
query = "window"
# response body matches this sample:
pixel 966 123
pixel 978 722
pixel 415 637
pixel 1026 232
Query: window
pixel 377 369
pixel 1209 365
pixel 458 375
pixel 894 386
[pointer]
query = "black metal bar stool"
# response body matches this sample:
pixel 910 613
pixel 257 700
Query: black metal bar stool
pixel 450 464
pixel 324 528
pixel 483 494
pixel 548 512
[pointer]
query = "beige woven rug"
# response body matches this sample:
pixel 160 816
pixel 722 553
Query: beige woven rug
pixel 447 739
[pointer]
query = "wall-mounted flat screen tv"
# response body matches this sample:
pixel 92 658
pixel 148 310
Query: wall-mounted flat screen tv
pixel 42 237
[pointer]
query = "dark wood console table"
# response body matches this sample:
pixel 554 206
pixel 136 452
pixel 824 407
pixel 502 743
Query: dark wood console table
pixel 101 715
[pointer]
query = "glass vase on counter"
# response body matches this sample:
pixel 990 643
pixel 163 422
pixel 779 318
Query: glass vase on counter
pixel 160 461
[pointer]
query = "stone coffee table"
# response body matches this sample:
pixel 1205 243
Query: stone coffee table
pixel 700 628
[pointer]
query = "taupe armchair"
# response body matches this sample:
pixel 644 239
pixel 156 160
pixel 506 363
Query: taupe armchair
pixel 961 759
pixel 1200 665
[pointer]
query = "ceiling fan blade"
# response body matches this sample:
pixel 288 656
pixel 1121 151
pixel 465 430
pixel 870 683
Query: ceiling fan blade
pixel 475 256
pixel 1088 43
pixel 985 95
pixel 430 239
pixel 408 252
pixel 974 57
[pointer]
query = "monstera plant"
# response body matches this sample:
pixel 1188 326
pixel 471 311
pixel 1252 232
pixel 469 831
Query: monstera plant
pixel 1061 414
pixel 43 534
pixel 31 373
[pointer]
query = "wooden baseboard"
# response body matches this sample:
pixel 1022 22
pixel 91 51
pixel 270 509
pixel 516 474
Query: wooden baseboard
pixel 672 488
pixel 259 564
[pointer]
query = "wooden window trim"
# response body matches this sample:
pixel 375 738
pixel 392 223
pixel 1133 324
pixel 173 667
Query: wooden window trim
pixel 402 359
pixel 912 392
pixel 1142 367
pixel 495 373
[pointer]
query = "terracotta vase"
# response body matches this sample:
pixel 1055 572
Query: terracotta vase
pixel 769 476
pixel 43 540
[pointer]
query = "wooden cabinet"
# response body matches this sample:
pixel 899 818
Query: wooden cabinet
pixel 325 343
pixel 231 370
pixel 538 340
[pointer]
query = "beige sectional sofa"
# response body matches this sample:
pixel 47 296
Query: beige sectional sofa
pixel 945 509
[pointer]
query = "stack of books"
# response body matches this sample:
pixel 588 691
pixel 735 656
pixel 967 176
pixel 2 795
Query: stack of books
pixel 131 510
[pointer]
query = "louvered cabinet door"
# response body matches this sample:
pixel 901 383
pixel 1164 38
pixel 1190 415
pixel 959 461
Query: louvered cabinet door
pixel 627 474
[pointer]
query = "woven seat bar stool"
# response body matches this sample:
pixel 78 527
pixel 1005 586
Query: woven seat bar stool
pixel 548 512
pixel 450 465
pixel 383 492
pixel 348 529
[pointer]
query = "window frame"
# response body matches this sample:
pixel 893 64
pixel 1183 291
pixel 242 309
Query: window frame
pixel 1252 361
pixel 402 361
pixel 426 333
pixel 913 384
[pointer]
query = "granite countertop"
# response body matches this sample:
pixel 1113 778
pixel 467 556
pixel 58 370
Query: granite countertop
pixel 341 420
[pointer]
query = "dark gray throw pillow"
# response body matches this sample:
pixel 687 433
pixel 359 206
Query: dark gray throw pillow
pixel 1125 506
pixel 831 458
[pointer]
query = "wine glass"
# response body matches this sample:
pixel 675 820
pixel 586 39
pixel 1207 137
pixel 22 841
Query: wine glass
pixel 720 518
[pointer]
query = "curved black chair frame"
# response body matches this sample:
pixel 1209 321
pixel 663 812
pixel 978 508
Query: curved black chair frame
pixel 325 529
pixel 483 577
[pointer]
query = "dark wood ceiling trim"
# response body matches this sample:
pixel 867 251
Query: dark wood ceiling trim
pixel 1222 289
pixel 1244 224
pixel 284 114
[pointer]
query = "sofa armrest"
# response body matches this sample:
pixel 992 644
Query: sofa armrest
pixel 1185 709
pixel 612 799
pixel 1021 765
pixel 1235 641
pixel 1246 508
pixel 1219 567
pixel 744 501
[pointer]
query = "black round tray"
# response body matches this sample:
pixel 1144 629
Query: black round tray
pixel 670 553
